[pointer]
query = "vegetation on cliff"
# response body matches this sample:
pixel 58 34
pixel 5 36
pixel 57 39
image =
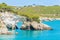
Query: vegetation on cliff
pixel 33 12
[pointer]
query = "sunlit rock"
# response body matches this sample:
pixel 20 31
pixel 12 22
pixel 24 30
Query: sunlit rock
pixel 35 26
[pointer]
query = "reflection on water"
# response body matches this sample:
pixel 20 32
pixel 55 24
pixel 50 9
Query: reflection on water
pixel 31 33
pixel 7 37
pixel 28 35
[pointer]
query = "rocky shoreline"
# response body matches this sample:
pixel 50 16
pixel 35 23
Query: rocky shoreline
pixel 8 21
pixel 35 26
pixel 48 19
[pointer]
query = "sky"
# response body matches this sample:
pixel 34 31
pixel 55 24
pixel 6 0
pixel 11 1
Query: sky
pixel 31 2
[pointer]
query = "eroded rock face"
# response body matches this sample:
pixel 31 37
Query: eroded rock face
pixel 27 26
pixel 34 26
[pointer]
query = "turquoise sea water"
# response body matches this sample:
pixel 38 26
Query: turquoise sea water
pixel 36 35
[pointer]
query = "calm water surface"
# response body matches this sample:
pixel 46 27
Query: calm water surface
pixel 36 35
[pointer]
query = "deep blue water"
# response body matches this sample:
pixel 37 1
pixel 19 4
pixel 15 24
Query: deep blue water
pixel 36 35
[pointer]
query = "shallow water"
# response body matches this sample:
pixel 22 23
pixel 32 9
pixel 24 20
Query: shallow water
pixel 36 35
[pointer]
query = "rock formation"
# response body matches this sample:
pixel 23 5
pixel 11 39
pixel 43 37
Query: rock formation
pixel 34 26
